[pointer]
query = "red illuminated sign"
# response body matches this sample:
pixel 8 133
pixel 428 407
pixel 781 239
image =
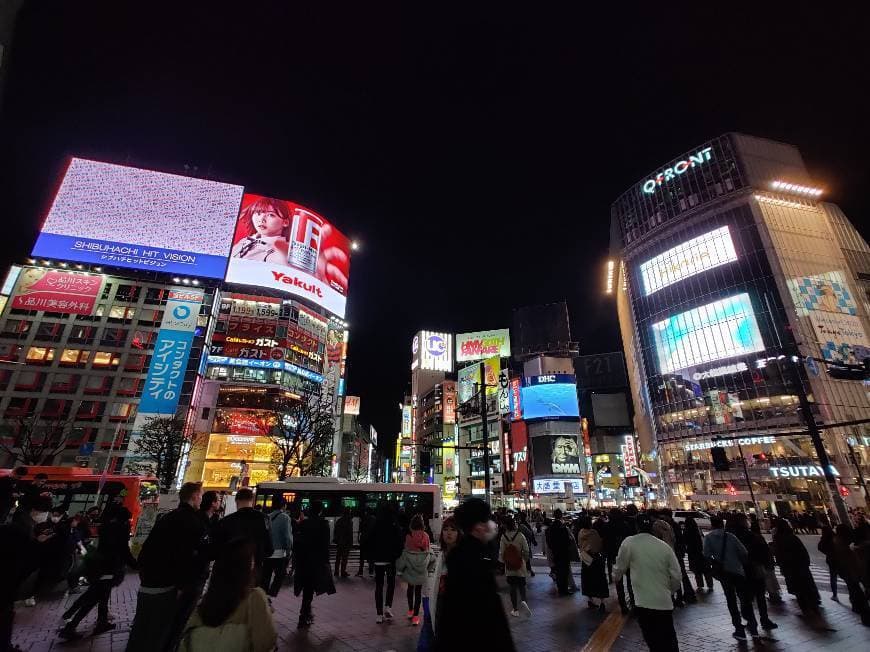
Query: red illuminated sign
pixel 55 291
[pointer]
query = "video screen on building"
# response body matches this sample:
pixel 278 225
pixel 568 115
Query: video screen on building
pixel 282 245
pixel 108 214
pixel 687 259
pixel 722 329
pixel 549 401
pixel 556 455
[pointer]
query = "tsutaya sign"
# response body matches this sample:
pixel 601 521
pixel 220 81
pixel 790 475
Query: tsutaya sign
pixel 680 167
pixel 800 471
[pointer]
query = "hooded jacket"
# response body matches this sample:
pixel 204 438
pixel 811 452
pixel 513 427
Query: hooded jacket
pixel 414 566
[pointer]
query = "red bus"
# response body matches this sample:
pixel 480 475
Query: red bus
pixel 76 490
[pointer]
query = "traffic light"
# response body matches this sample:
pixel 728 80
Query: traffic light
pixel 759 457
pixel 720 459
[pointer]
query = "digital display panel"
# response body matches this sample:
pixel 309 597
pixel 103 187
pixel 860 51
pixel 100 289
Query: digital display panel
pixel 722 329
pixel 122 216
pixel 282 245
pixel 483 344
pixel 549 401
pixel 687 259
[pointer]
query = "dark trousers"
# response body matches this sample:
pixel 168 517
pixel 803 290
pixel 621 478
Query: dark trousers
pixel 658 629
pixel 562 571
pixel 274 573
pixel 7 616
pixel 517 586
pixel 620 592
pixel 700 577
pixel 415 597
pixel 688 590
pixel 737 588
pixel 98 593
pixel 381 571
pixel 362 564
pixel 341 555
pixel 152 624
pixel 307 599
pixel 832 573
pixel 759 591
pixel 186 603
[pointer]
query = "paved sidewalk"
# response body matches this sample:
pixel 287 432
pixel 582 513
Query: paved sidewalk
pixel 344 622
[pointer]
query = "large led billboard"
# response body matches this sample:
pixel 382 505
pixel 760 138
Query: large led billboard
pixel 432 351
pixel 722 329
pixel 282 245
pixel 687 259
pixel 549 401
pixel 122 216
pixel 483 344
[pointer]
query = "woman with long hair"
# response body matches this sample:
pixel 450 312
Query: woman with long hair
pixel 432 602
pixel 794 561
pixel 698 563
pixel 262 230
pixel 234 614
pixel 593 569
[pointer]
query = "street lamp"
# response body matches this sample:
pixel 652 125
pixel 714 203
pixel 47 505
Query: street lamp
pixel 355 245
pixel 526 494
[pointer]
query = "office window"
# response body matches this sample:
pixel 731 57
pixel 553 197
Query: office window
pixel 106 359
pixel 40 355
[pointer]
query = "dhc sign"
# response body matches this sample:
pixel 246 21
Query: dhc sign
pixel 680 167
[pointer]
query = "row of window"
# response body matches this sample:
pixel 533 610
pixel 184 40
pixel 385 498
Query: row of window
pixel 54 332
pixel 69 383
pixel 63 409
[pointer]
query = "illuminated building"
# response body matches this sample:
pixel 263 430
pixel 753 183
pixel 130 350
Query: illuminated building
pixel 730 267
pixel 158 294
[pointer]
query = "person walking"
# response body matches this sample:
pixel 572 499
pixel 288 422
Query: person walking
pixel 17 543
pixel 593 570
pixel 561 546
pixel 245 522
pixel 312 562
pixel 104 569
pixel 384 545
pixel 514 553
pixel 366 524
pixel 450 536
pixel 727 559
pixel 758 561
pixel 655 575
pixel 526 531
pixel 209 509
pixel 794 562
pixel 342 537
pixel 470 615
pixel 826 547
pixel 170 566
pixel 698 563
pixel 233 614
pixel 848 566
pixel 275 565
pixel 414 565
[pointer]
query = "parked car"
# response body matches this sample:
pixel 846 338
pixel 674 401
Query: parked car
pixel 701 518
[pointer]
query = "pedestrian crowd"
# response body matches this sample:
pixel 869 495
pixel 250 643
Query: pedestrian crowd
pixel 207 579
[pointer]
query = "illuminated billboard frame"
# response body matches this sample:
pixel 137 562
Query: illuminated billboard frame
pixel 432 351
pixel 692 257
pixel 718 330
pixel 483 344
pixel 122 216
pixel 283 245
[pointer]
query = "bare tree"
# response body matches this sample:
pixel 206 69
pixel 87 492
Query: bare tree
pixel 303 434
pixel 156 449
pixel 33 440
pixel 359 461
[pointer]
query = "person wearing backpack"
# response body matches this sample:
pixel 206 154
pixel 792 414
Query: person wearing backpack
pixel 514 553
pixel 728 558
pixel 275 566
pixel 233 614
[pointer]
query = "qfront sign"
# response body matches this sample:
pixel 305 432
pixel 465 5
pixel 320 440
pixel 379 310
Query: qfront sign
pixel 801 471
pixel 677 169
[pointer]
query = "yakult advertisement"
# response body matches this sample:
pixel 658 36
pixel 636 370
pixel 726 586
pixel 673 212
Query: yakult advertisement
pixel 280 244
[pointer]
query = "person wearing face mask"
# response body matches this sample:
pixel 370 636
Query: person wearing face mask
pixel 33 517
pixel 470 614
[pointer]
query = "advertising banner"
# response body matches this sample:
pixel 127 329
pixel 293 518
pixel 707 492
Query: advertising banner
pixel 432 351
pixel 722 329
pixel 514 400
pixel 282 245
pixel 351 404
pixel 841 337
pixel 828 293
pixel 483 344
pixel 469 376
pixel 171 352
pixel 449 398
pixel 115 215
pixel 300 338
pixel 334 341
pixel 557 486
pixel 550 401
pixel 247 327
pixel 687 259
pixel 241 421
pixel 556 455
pixel 406 421
pixel 56 291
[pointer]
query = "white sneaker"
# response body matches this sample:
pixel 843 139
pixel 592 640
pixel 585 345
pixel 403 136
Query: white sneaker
pixel 515 613
pixel 30 602
pixel 388 613
pixel 525 609
pixel 379 620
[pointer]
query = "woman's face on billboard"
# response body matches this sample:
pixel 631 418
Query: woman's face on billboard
pixel 268 223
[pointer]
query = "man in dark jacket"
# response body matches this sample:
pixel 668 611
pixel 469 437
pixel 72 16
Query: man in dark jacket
pixel 559 541
pixel 342 537
pixel 245 523
pixel 471 616
pixel 311 550
pixel 384 544
pixel 170 565
pixel 366 524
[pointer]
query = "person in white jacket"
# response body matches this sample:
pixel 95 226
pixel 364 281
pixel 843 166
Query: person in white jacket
pixel 655 575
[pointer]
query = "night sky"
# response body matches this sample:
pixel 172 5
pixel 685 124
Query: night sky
pixel 475 154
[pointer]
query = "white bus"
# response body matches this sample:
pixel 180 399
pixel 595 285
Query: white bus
pixel 338 494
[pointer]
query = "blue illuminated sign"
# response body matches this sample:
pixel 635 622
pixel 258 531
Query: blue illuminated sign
pixel 549 379
pixel 277 365
pixel 550 401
